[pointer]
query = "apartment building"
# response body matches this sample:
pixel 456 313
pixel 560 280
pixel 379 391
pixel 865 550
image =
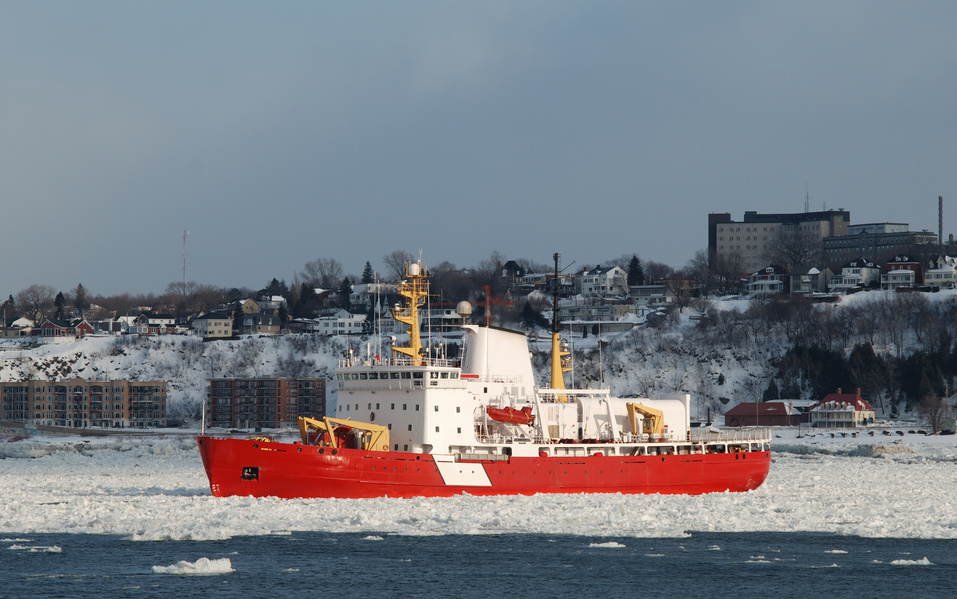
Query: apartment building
pixel 264 402
pixel 79 403
pixel 750 238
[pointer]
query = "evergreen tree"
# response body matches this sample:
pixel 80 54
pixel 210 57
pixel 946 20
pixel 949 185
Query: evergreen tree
pixel 60 303
pixel 771 392
pixel 368 325
pixel 9 310
pixel 81 301
pixel 531 318
pixel 636 274
pixel 274 288
pixel 308 302
pixel 367 274
pixel 345 293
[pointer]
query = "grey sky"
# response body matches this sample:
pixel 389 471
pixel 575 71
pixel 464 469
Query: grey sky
pixel 279 132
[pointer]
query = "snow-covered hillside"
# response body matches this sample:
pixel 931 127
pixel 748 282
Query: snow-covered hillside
pixel 645 362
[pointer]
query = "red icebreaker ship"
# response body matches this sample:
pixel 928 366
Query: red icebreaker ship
pixel 414 426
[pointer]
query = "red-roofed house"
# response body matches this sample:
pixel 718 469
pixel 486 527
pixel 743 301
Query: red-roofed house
pixel 842 410
pixel 774 413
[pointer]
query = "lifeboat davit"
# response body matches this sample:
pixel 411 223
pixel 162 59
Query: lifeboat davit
pixel 511 415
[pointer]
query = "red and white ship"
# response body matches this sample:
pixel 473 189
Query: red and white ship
pixel 414 426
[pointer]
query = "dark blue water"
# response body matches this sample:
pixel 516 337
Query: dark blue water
pixel 778 565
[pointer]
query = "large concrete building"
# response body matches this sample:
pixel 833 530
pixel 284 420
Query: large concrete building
pixel 265 402
pixel 79 403
pixel 750 237
pixel 877 242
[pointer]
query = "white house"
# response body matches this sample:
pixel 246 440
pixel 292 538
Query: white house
pixel 215 325
pixel 341 322
pixel 942 272
pixel 605 281
pixel 769 280
pixel 856 273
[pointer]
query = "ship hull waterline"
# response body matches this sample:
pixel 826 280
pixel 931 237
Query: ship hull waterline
pixel 291 470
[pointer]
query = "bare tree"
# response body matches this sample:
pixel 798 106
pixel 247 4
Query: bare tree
pixel 699 269
pixel 726 269
pixel 450 283
pixel 395 264
pixel 36 300
pixel 794 246
pixel 933 410
pixel 326 273
pixel 656 271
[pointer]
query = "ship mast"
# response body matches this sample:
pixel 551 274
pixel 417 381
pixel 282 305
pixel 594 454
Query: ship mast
pixel 560 361
pixel 415 289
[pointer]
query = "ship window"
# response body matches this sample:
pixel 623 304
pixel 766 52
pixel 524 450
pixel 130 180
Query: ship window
pixel 370 407
pixel 405 448
pixel 374 376
pixel 410 427
pixel 363 376
pixel 436 408
pixel 377 406
pixel 393 407
pixel 405 406
pixel 397 447
pixel 417 375
pixel 433 375
pixel 355 376
pixel 445 375
pixel 436 429
pixel 390 428
pixel 406 375
pixel 459 430
pixel 394 375
pixel 416 407
pixel 458 409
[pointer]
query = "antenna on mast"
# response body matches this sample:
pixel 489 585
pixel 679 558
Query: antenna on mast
pixel 185 235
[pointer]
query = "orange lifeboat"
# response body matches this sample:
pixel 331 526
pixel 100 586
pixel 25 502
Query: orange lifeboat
pixel 511 415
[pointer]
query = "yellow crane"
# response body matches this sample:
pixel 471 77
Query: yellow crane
pixel 653 422
pixel 372 437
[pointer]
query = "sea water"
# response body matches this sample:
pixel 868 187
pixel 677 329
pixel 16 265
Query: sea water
pixel 319 564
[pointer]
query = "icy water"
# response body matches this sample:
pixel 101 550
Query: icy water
pixel 318 564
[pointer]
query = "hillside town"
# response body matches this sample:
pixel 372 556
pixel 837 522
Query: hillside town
pixel 788 259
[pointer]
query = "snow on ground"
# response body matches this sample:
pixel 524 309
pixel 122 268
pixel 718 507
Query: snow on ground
pixel 154 487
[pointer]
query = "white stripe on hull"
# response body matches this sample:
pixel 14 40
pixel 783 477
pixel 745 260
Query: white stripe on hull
pixel 459 474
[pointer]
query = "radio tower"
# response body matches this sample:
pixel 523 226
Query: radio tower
pixel 940 223
pixel 185 235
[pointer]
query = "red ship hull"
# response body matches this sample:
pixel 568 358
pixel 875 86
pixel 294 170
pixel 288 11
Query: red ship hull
pixel 292 470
